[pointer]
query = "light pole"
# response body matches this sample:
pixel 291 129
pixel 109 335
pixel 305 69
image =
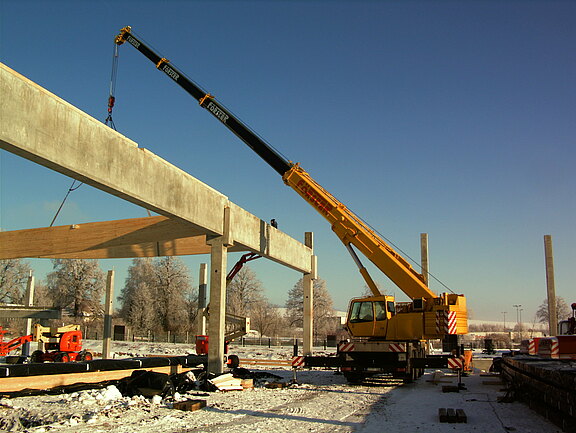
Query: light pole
pixel 504 313
pixel 517 306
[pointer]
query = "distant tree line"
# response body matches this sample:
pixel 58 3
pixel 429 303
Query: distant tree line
pixel 159 296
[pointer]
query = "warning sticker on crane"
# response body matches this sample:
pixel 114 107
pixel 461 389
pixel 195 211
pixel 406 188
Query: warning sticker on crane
pixel 346 347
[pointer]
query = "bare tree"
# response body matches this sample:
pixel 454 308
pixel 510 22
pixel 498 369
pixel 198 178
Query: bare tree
pixel 244 291
pixel 77 284
pixel 562 310
pixel 265 318
pixel 13 277
pixel 322 304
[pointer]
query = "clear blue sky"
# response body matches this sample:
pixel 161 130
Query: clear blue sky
pixel 453 118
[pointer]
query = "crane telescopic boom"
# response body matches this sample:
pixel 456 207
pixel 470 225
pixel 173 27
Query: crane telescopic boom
pixel 349 228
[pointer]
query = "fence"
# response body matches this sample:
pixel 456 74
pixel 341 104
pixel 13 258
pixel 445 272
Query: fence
pixel 190 338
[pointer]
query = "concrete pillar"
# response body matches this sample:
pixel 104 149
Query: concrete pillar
pixel 308 298
pixel 202 289
pixel 29 303
pixel 108 309
pixel 424 257
pixel 216 329
pixel 551 288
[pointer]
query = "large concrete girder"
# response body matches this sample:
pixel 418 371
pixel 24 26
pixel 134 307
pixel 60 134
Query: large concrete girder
pixel 45 129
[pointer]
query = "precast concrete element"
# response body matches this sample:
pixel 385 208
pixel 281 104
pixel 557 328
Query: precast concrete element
pixel 45 129
pixel 108 310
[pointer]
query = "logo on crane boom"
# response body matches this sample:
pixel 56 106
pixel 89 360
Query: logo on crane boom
pixel 217 112
pixel 133 41
pixel 171 72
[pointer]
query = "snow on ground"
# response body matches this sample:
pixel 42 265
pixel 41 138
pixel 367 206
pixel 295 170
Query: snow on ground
pixel 321 402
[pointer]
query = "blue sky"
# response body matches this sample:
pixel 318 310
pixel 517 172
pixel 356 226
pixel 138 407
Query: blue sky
pixel 454 118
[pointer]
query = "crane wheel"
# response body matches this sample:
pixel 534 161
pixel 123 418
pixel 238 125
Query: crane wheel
pixel 37 356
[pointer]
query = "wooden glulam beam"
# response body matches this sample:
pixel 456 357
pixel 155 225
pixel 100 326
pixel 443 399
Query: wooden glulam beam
pixel 136 237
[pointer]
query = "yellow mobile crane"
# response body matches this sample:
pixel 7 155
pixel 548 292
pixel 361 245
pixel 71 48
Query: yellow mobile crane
pixel 387 336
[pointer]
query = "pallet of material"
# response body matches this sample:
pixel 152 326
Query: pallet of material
pixel 546 385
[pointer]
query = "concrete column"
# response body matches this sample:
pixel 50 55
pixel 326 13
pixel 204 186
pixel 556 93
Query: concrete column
pixel 202 289
pixel 551 288
pixel 424 257
pixel 216 329
pixel 108 305
pixel 29 303
pixel 308 298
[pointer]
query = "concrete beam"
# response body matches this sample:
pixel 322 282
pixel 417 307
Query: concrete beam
pixel 21 312
pixel 45 129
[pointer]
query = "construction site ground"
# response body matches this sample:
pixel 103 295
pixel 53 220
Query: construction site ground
pixel 321 401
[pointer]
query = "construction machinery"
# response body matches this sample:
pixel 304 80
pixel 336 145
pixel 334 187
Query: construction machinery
pixel 387 337
pixel 61 344
pixel 8 346
pixel 568 327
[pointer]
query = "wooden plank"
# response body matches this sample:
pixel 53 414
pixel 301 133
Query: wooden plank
pixel 190 405
pixel 442 414
pixel 135 237
pixel 461 416
pixel 13 384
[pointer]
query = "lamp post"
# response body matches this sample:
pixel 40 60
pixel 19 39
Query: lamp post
pixel 517 306
pixel 504 313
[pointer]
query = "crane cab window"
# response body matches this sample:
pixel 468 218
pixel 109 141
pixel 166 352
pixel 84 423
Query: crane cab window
pixel 391 307
pixel 380 310
pixel 361 312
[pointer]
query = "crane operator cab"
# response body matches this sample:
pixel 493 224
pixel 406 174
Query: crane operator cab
pixel 380 317
pixel 368 317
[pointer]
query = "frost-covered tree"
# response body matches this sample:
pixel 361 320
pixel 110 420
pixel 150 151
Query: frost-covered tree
pixel 322 304
pixel 265 318
pixel 173 286
pixel 243 292
pixel 13 277
pixel 77 284
pixel 137 307
pixel 158 296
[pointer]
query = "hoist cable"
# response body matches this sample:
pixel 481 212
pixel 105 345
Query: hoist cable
pixel 72 188
pixel 111 96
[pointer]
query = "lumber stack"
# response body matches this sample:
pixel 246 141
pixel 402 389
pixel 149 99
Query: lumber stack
pixel 548 386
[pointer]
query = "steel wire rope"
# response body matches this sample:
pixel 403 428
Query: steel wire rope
pixel 112 93
pixel 72 188
pixel 395 246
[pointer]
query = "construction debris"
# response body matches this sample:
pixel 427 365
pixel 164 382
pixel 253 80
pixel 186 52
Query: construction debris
pixel 190 405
